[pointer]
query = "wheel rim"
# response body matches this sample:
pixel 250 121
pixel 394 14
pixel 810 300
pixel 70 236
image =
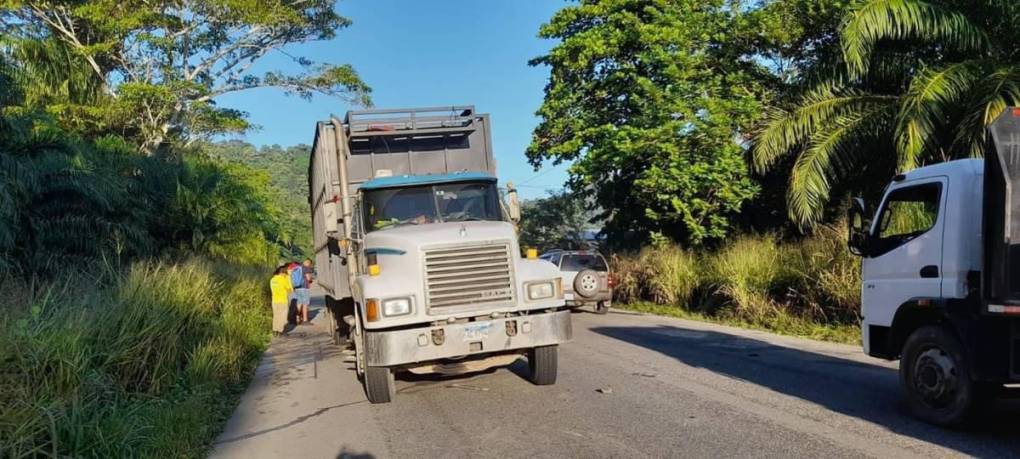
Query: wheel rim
pixel 936 377
pixel 589 283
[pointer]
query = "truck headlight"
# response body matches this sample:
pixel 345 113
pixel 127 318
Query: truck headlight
pixel 396 307
pixel 541 290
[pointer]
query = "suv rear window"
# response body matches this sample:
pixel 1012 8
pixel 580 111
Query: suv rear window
pixel 583 262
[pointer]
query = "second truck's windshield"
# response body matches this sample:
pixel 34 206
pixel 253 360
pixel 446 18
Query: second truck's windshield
pixel 453 202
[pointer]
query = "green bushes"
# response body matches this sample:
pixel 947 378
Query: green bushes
pixel 66 199
pixel 147 366
pixel 760 281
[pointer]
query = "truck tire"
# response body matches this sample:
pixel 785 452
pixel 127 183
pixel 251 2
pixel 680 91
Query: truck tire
pixel 339 338
pixel 935 374
pixel 342 332
pixel 602 307
pixel 332 322
pixel 380 386
pixel 292 312
pixel 543 362
pixel 587 283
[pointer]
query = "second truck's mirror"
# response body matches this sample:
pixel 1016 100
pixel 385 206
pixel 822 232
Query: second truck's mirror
pixel 513 203
pixel 857 224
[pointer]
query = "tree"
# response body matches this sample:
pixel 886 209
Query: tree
pixel 558 221
pixel 288 188
pixel 919 83
pixel 651 101
pixel 226 210
pixel 161 64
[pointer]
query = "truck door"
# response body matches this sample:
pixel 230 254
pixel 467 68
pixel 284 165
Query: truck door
pixel 905 254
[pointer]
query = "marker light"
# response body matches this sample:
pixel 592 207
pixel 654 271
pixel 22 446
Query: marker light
pixel 372 310
pixel 1003 309
pixel 373 264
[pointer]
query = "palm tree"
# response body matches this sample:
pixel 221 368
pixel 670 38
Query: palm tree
pixel 61 197
pixel 919 82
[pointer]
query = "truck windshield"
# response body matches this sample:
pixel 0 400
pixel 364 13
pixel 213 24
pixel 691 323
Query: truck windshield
pixel 451 202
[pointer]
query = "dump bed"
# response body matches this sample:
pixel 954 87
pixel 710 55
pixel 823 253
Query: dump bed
pixel 1001 276
pixel 414 141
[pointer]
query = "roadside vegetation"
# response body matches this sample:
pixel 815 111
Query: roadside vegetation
pixel 808 287
pixel 149 365
pixel 134 252
pixel 719 141
pixel 287 169
pixel 715 142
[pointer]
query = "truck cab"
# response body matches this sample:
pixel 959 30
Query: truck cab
pixel 935 251
pixel 418 254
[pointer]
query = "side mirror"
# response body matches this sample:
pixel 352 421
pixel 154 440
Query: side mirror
pixel 513 203
pixel 857 223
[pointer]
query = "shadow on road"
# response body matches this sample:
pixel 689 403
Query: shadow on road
pixel 868 392
pixel 346 453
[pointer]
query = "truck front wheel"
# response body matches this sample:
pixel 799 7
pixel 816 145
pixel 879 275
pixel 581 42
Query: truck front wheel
pixel 543 363
pixel 935 375
pixel 379 384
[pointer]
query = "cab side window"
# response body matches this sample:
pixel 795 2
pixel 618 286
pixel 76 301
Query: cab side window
pixel 907 213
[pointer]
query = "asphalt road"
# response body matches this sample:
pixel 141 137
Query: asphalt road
pixel 629 386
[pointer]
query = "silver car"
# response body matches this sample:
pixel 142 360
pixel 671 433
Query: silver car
pixel 586 278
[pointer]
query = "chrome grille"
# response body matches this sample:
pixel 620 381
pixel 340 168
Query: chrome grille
pixel 468 275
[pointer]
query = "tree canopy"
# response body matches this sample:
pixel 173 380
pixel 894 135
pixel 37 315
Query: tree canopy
pixel 917 83
pixel 557 221
pixel 652 101
pixel 157 66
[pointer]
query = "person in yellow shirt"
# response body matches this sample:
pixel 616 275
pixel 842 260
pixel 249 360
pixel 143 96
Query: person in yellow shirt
pixel 281 288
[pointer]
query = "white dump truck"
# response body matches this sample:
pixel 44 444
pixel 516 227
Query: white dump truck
pixel 418 254
pixel 941 277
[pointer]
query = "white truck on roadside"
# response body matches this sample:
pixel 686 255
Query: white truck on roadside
pixel 418 253
pixel 941 277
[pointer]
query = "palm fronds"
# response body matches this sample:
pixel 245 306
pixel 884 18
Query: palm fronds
pixel 921 81
pixel 879 20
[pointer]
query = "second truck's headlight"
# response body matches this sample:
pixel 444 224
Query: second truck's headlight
pixel 541 290
pixel 396 307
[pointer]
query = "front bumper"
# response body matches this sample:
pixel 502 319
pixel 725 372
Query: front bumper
pixel 574 300
pixel 399 347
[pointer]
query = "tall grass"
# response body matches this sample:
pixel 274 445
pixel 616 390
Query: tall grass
pixel 148 365
pixel 665 274
pixel 757 280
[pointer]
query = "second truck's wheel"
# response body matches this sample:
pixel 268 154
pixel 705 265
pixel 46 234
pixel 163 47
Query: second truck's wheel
pixel 379 384
pixel 543 362
pixel 602 307
pixel 936 377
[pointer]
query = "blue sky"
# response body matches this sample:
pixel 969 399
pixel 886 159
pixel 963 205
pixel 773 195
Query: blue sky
pixel 428 53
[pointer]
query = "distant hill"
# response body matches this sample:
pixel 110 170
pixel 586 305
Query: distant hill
pixel 288 169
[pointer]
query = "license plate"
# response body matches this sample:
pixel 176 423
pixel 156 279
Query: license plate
pixel 475 332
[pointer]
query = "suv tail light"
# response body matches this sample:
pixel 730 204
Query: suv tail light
pixel 610 281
